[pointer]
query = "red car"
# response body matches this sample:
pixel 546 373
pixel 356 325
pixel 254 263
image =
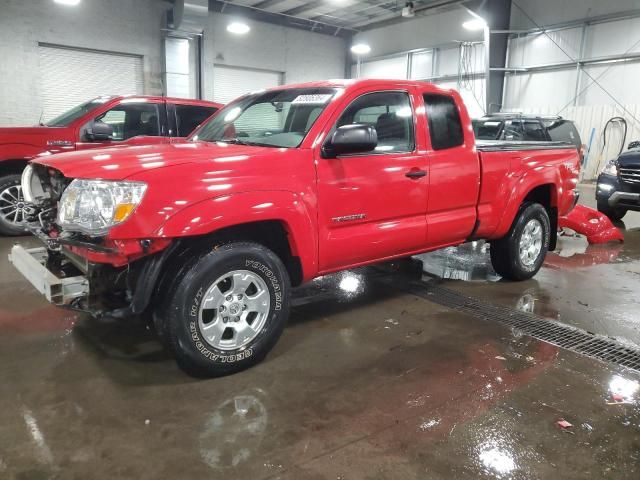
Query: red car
pixel 100 122
pixel 281 186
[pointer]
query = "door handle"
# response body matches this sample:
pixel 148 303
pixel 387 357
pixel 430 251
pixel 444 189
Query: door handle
pixel 415 174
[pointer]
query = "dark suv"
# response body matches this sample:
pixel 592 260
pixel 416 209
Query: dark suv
pixel 530 128
pixel 618 189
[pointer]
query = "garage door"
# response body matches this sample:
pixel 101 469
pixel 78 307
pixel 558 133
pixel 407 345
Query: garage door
pixel 70 76
pixel 231 82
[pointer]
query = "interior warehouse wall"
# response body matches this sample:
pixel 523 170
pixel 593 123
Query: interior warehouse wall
pixel 298 54
pixel 124 26
pixel 437 59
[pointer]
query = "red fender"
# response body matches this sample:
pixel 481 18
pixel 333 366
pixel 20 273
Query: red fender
pixel 592 224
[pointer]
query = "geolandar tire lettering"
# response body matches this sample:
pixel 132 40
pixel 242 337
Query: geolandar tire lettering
pixel 229 309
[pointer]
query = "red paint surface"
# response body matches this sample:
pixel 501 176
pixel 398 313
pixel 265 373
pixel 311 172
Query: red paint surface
pixel 24 143
pixel 592 224
pixel 197 188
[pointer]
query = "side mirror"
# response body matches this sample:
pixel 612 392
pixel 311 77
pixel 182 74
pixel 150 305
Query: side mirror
pixel 99 132
pixel 634 144
pixel 355 138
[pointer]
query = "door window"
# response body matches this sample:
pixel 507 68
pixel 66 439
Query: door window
pixel 131 120
pixel 188 117
pixel 444 121
pixel 390 113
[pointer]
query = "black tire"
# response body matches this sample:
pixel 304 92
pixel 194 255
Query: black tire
pixel 505 255
pixel 614 214
pixel 179 321
pixel 7 227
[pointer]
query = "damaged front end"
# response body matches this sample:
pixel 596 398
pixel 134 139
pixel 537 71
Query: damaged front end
pixel 76 269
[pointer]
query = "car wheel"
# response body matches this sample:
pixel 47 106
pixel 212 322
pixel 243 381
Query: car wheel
pixel 614 214
pixel 228 309
pixel 12 206
pixel 520 254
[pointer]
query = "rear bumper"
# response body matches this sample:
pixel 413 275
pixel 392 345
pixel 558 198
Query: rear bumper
pixel 59 291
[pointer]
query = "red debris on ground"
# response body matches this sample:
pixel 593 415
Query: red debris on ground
pixel 592 224
pixel 562 423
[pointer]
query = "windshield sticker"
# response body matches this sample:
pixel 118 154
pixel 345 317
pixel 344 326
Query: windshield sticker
pixel 317 99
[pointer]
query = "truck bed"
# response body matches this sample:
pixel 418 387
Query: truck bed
pixel 510 146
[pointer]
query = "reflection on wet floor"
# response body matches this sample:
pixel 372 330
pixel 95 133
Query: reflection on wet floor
pixel 366 382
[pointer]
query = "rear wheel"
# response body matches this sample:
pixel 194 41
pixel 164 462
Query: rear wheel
pixel 228 310
pixel 13 209
pixel 614 214
pixel 520 254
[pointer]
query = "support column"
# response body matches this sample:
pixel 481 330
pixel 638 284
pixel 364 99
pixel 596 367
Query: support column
pixel 497 14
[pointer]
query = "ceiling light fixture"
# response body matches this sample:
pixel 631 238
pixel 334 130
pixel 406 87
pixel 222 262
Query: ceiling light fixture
pixel 238 28
pixel 475 24
pixel 360 49
pixel 71 3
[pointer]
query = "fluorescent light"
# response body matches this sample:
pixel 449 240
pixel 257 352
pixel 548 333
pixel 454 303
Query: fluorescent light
pixel 475 24
pixel 238 28
pixel 360 48
pixel 72 3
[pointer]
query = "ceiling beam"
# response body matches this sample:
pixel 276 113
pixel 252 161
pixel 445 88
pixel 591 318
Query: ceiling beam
pixel 266 3
pixel 281 19
pixel 305 7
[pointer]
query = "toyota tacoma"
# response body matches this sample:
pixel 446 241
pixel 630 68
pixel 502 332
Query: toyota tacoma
pixel 208 236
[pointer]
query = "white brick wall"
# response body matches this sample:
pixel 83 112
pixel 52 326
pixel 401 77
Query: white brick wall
pixel 128 26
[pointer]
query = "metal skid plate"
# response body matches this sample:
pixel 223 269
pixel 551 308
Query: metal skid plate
pixel 30 262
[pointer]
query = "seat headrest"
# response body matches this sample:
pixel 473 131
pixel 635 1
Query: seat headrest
pixel 389 125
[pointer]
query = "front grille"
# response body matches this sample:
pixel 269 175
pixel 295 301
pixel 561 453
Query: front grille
pixel 629 175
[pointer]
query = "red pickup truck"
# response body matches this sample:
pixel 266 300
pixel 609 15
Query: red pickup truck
pixel 208 236
pixel 101 122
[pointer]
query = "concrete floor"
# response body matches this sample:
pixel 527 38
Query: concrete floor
pixel 366 383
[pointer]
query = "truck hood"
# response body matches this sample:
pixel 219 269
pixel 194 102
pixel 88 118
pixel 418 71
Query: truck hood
pixel 630 159
pixel 118 164
pixel 29 135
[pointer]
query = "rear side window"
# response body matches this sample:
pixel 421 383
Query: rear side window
pixel 188 117
pixel 444 121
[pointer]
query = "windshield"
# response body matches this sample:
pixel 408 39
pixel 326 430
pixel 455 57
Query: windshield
pixel 487 129
pixel 76 112
pixel 279 118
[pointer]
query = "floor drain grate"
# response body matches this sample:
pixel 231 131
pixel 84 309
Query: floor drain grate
pixel 544 329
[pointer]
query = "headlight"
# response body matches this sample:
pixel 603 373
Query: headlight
pixel 611 168
pixel 94 206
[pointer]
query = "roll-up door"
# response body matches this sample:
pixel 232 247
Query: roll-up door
pixel 70 76
pixel 232 82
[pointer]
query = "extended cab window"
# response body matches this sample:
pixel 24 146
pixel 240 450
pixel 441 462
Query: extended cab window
pixel 444 121
pixel 188 117
pixel 390 113
pixel 132 119
pixel 275 118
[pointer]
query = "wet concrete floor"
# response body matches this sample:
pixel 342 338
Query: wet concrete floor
pixel 366 383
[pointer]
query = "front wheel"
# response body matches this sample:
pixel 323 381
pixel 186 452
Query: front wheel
pixel 228 310
pixel 614 214
pixel 520 254
pixel 13 209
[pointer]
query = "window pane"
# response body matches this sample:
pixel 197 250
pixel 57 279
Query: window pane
pixel 190 116
pixel 533 131
pixel 513 130
pixel 132 120
pixel 389 113
pixel 444 121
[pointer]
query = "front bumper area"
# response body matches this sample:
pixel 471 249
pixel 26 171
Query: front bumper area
pixel 610 191
pixel 31 263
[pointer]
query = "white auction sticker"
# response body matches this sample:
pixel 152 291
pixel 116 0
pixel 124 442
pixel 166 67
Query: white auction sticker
pixel 317 99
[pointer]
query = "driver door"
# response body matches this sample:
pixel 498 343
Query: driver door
pixel 373 205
